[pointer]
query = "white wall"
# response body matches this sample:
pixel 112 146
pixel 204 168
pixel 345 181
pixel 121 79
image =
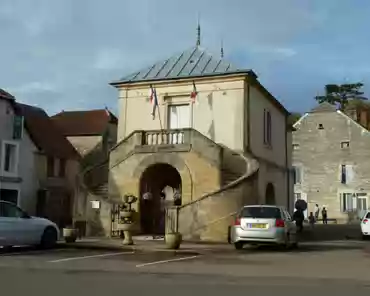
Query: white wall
pixel 27 170
pixel 218 114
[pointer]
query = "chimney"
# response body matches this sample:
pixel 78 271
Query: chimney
pixel 353 114
pixel 364 118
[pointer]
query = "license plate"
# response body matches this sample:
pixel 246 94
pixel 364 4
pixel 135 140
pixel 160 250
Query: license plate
pixel 256 225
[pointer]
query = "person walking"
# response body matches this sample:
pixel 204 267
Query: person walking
pixel 298 217
pixel 311 220
pixel 324 214
pixel 317 211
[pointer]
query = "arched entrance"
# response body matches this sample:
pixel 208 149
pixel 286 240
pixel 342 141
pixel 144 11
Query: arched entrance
pixel 270 194
pixel 159 184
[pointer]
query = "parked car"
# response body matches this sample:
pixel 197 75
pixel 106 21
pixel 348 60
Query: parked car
pixel 263 224
pixel 17 228
pixel 365 225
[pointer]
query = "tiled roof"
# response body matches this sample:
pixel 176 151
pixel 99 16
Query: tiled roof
pixel 84 123
pixel 5 95
pixel 194 62
pixel 44 133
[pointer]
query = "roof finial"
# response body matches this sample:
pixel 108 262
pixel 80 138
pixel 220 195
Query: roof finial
pixel 222 49
pixel 198 31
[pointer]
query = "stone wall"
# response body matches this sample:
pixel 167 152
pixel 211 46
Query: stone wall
pixel 319 154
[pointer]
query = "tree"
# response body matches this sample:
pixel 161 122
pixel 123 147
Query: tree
pixel 341 94
pixel 293 118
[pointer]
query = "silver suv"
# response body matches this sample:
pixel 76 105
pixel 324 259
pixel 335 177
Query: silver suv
pixel 263 224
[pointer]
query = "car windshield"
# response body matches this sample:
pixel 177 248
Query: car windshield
pixel 368 215
pixel 261 212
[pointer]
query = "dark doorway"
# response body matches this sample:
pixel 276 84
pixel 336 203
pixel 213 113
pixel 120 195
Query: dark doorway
pixel 10 195
pixel 154 179
pixel 270 194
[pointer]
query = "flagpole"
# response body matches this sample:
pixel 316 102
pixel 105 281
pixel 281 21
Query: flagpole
pixel 159 116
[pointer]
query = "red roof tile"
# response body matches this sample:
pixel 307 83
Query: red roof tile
pixel 44 133
pixel 84 123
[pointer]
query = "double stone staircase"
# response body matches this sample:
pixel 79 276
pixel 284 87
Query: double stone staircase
pixel 209 205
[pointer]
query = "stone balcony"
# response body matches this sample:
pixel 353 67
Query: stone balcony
pixel 167 141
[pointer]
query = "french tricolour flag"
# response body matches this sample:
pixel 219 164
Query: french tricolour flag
pixel 153 100
pixel 194 94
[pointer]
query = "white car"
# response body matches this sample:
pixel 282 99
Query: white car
pixel 365 226
pixel 17 228
pixel 263 224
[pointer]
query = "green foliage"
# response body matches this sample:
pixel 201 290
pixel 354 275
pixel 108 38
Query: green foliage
pixel 293 118
pixel 342 94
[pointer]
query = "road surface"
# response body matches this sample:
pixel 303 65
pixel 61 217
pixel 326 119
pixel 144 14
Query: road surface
pixel 311 271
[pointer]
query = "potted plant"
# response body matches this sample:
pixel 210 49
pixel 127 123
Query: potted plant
pixel 173 240
pixel 70 234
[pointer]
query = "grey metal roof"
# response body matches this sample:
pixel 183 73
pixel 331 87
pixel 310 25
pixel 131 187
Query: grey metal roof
pixel 194 62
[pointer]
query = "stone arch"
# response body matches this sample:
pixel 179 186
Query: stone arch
pixel 154 181
pixel 172 159
pixel 270 194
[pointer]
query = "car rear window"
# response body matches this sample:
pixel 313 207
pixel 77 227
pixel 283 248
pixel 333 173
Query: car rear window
pixel 261 212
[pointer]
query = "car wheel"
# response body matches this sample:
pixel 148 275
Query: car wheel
pixel 49 238
pixel 238 245
pixel 364 237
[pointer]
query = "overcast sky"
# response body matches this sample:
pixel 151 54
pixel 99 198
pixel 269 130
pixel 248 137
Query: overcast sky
pixel 61 54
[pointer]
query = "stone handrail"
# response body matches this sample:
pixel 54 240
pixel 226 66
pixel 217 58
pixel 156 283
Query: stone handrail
pixel 178 216
pixel 192 216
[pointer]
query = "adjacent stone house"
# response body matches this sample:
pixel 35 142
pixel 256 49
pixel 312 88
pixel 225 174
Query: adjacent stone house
pixel 217 137
pixel 330 157
pixel 38 165
pixel 57 167
pixel 18 172
pixel 92 133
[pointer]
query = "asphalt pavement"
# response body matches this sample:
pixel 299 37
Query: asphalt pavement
pixel 336 267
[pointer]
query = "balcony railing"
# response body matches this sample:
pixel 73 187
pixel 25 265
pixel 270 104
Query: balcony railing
pixel 171 140
pixel 171 137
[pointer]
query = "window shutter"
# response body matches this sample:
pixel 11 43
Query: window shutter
pixel 349 173
pixel 264 126
pixel 341 202
pixel 299 175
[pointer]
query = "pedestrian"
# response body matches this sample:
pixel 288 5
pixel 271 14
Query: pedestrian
pixel 298 217
pixel 324 214
pixel 311 219
pixel 317 211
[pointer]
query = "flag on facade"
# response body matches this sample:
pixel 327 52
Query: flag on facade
pixel 194 94
pixel 153 100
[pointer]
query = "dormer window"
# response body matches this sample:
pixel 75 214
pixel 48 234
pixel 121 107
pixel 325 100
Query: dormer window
pixel 320 127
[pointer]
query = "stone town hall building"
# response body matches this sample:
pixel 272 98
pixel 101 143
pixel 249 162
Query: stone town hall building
pixel 229 148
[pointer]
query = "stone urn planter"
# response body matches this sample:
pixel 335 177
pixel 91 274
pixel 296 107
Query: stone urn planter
pixel 70 234
pixel 173 240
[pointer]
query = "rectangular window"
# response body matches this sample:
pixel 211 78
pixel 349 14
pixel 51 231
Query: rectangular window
pixel 50 167
pixel 348 202
pixel 347 174
pixel 9 158
pixel 343 177
pixel 344 144
pixel 267 122
pixel 361 201
pixel 297 175
pixel 179 117
pixel 62 167
pixel 297 196
pixel 295 146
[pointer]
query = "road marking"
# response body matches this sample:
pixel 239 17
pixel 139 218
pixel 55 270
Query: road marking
pixel 92 256
pixel 167 261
